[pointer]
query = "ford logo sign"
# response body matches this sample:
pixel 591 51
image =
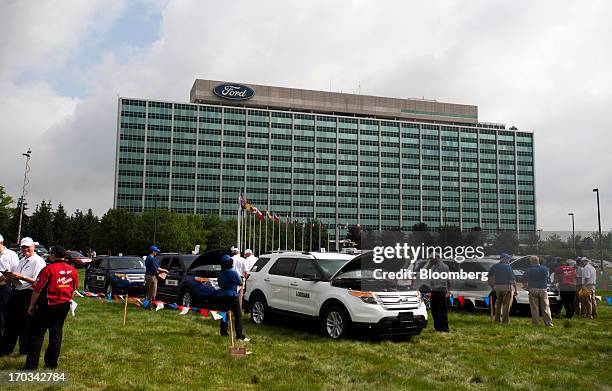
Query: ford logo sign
pixel 233 91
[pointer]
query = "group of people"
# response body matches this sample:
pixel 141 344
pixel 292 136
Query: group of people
pixel 231 280
pixel 575 280
pixel 34 298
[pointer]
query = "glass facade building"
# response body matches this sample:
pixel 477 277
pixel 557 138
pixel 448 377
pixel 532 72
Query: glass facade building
pixel 339 167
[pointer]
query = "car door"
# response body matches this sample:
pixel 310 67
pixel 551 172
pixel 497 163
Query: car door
pixel 164 290
pixel 90 273
pixel 98 277
pixel 303 288
pixel 173 280
pixel 277 281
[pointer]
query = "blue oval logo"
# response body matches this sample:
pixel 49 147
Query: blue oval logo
pixel 233 91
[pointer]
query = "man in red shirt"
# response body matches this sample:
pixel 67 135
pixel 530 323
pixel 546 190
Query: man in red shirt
pixel 565 278
pixel 49 306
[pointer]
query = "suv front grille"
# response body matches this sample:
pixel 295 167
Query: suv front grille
pixel 398 301
pixel 135 277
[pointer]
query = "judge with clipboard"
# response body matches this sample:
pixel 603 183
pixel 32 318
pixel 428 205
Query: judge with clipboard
pixel 152 273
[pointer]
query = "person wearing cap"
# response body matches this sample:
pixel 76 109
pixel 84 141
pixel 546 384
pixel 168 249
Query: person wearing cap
pixel 588 276
pixel 249 259
pixel 537 278
pixel 502 280
pixel 229 281
pixel 152 270
pixel 239 262
pixel 565 279
pixel 25 274
pixel 49 306
pixel 8 263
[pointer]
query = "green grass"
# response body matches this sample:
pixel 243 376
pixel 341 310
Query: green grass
pixel 163 350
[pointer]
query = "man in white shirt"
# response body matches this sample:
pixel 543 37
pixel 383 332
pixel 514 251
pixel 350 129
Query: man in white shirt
pixel 249 260
pixel 8 263
pixel 588 278
pixel 239 262
pixel 22 278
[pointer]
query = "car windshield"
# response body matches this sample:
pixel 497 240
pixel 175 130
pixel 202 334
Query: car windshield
pixel 126 263
pixel 331 266
pixel 75 254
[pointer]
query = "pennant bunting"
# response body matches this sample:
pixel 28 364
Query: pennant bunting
pixel 461 300
pixel 486 300
pixel 609 300
pixel 73 306
pixel 215 315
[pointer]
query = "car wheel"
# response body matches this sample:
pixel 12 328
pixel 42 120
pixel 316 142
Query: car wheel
pixel 185 298
pixel 336 322
pixel 87 286
pixel 109 289
pixel 259 310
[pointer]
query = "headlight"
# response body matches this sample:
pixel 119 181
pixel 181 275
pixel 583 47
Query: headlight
pixel 120 276
pixel 419 298
pixel 366 297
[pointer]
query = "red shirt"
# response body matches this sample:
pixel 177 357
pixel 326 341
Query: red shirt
pixel 61 280
pixel 565 275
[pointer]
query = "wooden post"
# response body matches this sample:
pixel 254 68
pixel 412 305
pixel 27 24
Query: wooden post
pixel 491 307
pixel 231 328
pixel 125 309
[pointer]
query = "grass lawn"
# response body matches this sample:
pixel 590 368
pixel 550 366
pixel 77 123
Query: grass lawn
pixel 163 350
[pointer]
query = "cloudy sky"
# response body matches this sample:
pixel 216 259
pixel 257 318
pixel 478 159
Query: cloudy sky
pixel 541 66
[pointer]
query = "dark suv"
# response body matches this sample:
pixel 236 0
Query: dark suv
pixel 184 270
pixel 115 274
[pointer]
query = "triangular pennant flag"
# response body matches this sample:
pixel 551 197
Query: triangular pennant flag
pixel 203 312
pixel 598 298
pixel 109 297
pixel 609 300
pixel 146 303
pixel 195 309
pixel 135 301
pixel 472 300
pixel 486 300
pixel 461 300
pixel 223 316
pixel 184 310
pixel 116 298
pixel 78 293
pixel 73 306
pixel 173 306
pixel 215 315
pixel 452 299
pixel 159 306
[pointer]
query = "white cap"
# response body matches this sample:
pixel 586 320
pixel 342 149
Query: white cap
pixel 27 242
pixel 1 239
pixel 248 251
pixel 235 249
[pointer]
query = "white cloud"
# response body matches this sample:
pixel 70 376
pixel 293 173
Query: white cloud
pixel 529 64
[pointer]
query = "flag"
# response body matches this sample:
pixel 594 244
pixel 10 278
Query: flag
pixel 276 218
pixel 452 299
pixel 195 309
pixel 109 297
pixel 260 215
pixel 223 316
pixel 184 310
pixel 159 306
pixel 268 215
pixel 203 312
pixel 461 300
pixel 215 315
pixel 248 206
pixel 486 300
pixel 242 201
pixel 609 300
pixel 146 303
pixel 472 300
pixel 73 306
pixel 173 306
pixel 79 293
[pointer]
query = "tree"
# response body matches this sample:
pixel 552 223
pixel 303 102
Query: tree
pixel 353 234
pixel 221 234
pixel 88 229
pixel 116 233
pixel 5 214
pixel 40 226
pixel 62 233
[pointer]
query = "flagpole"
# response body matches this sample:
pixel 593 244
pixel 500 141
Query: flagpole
pixel 259 244
pixel 311 224
pixel 293 229
pixel 272 234
pixel 319 235
pixel 302 235
pixel 279 232
pixel 286 232
pixel 266 236
pixel 238 220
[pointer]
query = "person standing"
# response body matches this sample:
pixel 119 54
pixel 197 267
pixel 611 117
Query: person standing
pixel 49 306
pixel 152 271
pixel 588 307
pixel 229 282
pixel 249 260
pixel 577 306
pixel 502 280
pixel 565 278
pixel 8 263
pixel 440 291
pixel 239 262
pixel 536 276
pixel 25 274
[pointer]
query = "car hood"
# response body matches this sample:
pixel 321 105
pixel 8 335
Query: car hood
pixel 209 258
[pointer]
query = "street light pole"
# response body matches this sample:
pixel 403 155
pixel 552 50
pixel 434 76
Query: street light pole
pixel 23 191
pixel 599 223
pixel 573 233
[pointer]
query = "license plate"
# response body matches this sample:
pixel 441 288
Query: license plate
pixel 406 317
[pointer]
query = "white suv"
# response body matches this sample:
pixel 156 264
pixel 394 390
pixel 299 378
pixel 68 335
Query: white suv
pixel 331 288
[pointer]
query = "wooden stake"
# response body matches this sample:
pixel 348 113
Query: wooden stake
pixel 125 309
pixel 231 329
pixel 491 307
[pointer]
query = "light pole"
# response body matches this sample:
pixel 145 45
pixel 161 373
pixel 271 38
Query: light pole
pixel 573 234
pixel 599 223
pixel 23 191
pixel 539 239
